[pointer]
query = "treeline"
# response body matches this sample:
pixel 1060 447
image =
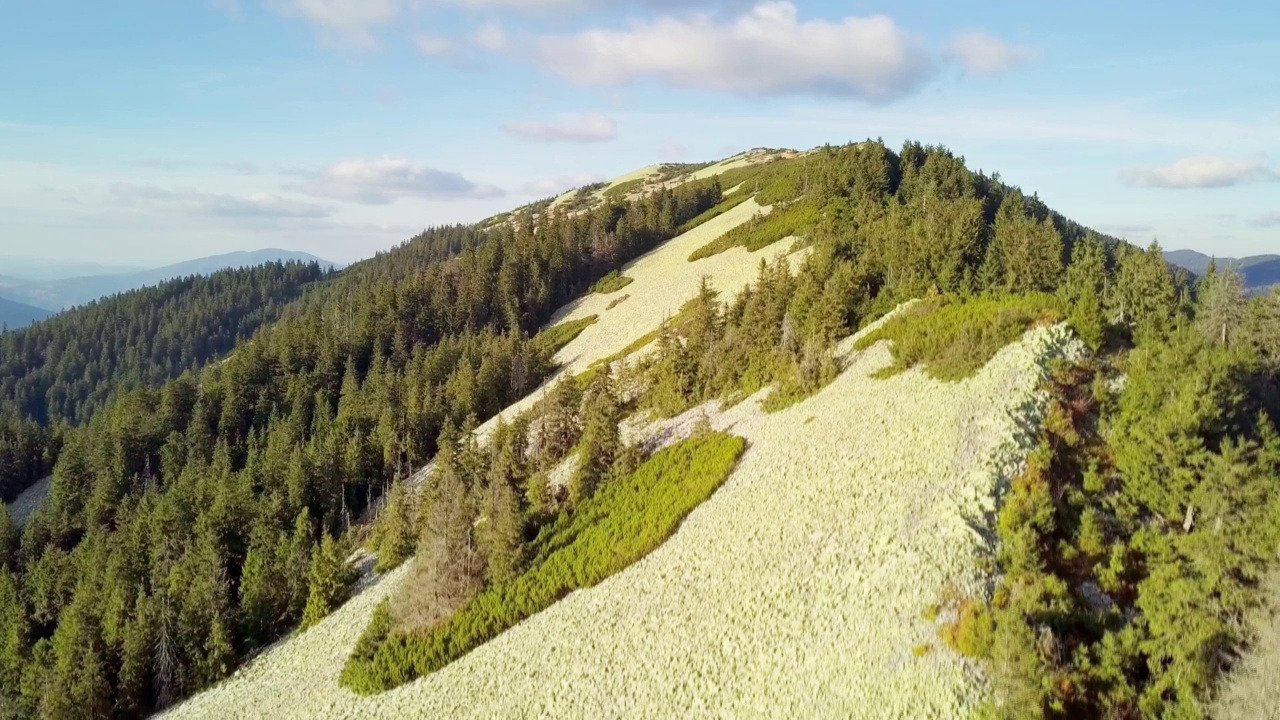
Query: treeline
pixel 192 524
pixel 63 370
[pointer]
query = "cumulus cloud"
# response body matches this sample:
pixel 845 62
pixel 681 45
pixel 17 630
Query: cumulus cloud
pixel 384 180
pixel 588 128
pixel 191 201
pixel 1203 171
pixel 1267 220
pixel 765 51
pixel 558 185
pixel 342 23
pixel 984 54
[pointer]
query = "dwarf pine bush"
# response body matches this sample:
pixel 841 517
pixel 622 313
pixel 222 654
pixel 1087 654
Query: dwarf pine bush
pixel 624 521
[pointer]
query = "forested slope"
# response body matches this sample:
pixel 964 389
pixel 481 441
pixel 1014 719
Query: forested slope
pixel 186 518
pixel 66 368
pixel 193 524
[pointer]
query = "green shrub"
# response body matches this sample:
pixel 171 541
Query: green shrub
pixel 955 338
pixel 611 283
pixel 621 190
pixel 553 338
pixel 763 230
pixel 624 521
pixel 730 202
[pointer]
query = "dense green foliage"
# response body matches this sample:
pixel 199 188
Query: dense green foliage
pixel 604 534
pixel 1133 545
pixel 68 367
pixel 182 524
pixel 611 283
pixel 762 230
pixel 954 338
pixel 557 336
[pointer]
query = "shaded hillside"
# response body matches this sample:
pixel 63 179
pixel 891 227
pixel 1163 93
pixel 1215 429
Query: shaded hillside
pixel 14 315
pixel 62 293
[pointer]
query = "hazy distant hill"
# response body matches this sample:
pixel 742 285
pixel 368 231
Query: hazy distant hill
pixel 1259 271
pixel 31 268
pixel 62 293
pixel 14 315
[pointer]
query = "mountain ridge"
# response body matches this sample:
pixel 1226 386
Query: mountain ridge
pixel 1259 272
pixel 63 293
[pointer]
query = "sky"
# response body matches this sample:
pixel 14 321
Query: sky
pixel 145 132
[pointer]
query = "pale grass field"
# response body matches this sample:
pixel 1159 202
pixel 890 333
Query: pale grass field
pixel 796 590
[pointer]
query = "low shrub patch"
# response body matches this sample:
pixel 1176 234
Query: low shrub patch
pixel 624 521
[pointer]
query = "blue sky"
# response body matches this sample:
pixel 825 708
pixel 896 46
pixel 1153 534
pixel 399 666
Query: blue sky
pixel 151 131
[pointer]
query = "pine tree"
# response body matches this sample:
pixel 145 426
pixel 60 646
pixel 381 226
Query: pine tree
pixel 298 554
pixel 1221 312
pixel 331 579
pixel 9 538
pixel 396 536
pixel 601 440
pixel 504 526
pixel 263 597
pixel 1145 293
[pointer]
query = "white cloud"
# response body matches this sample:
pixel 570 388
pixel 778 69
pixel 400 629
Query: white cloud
pixel 1203 171
pixel 436 45
pixel 1267 220
pixel 588 128
pixel 342 23
pixel 984 54
pixel 490 36
pixel 191 201
pixel 558 185
pixel 764 51
pixel 387 179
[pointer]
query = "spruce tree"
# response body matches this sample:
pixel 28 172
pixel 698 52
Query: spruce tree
pixel 1222 305
pixel 330 581
pixel 601 440
pixel 504 526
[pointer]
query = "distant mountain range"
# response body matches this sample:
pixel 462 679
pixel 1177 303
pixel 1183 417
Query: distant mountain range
pixel 1259 271
pixel 14 315
pixel 41 288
